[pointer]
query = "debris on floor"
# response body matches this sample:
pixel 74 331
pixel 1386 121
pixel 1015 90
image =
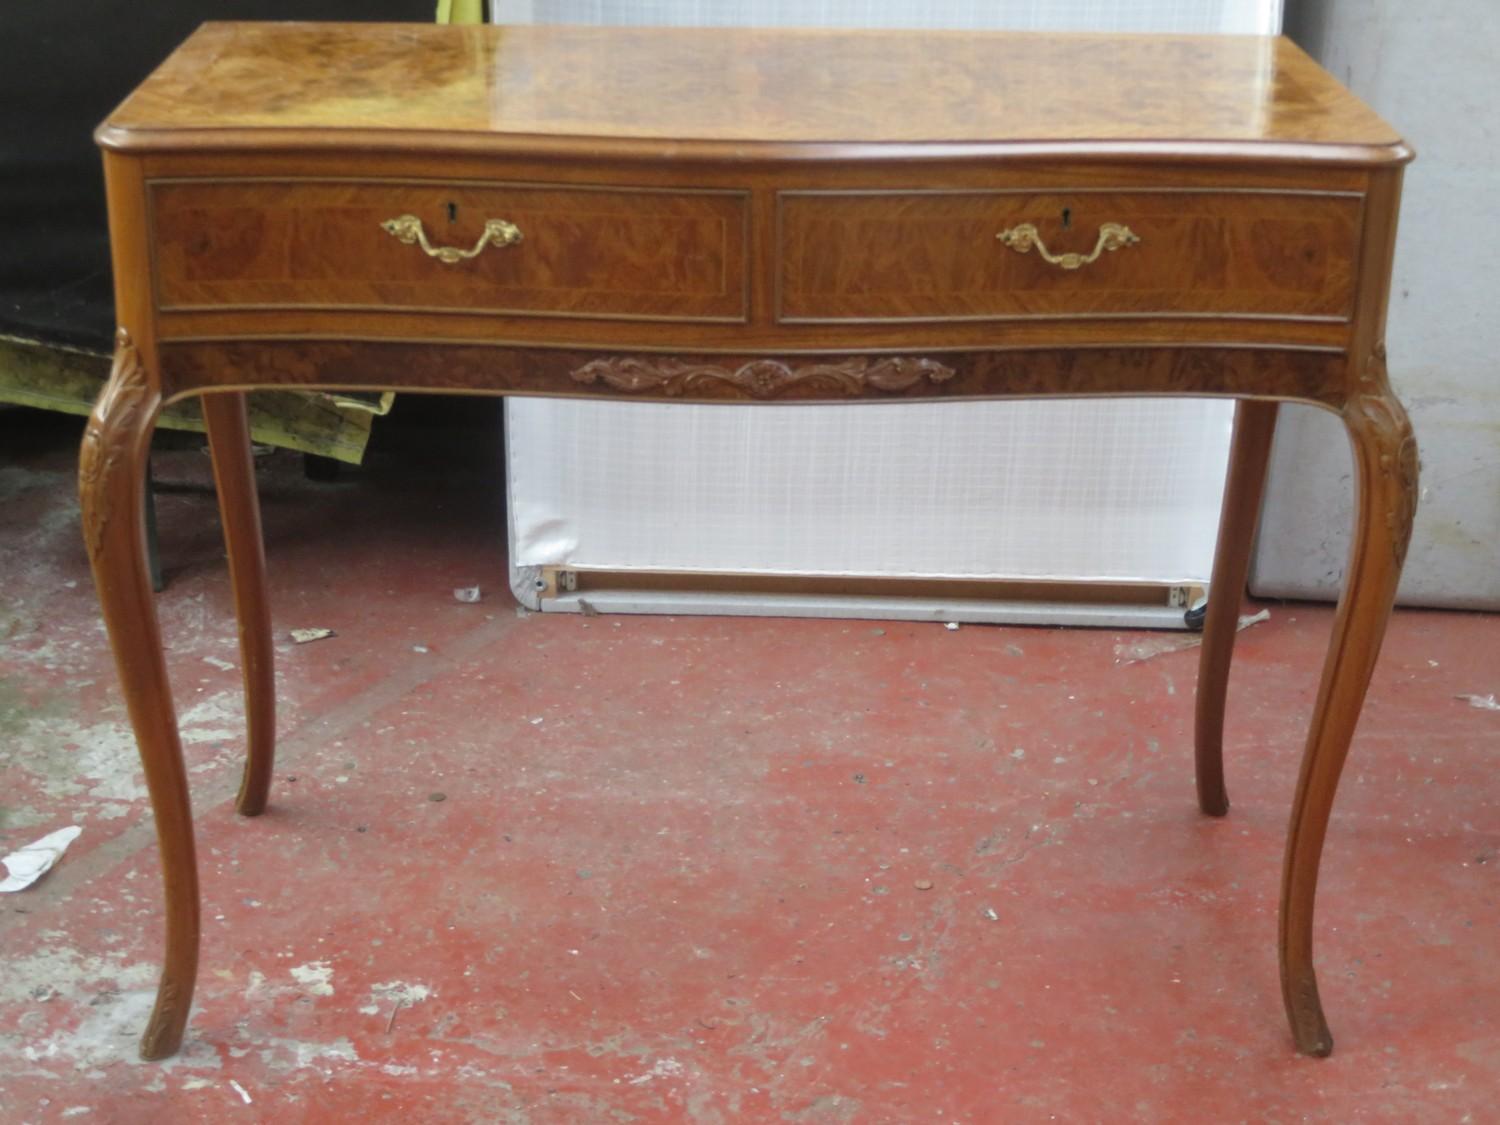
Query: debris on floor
pixel 467 594
pixel 30 863
pixel 691 871
pixel 1482 702
pixel 1152 647
pixel 307 636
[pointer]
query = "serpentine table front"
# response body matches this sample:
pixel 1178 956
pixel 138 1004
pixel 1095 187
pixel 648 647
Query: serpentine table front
pixel 745 216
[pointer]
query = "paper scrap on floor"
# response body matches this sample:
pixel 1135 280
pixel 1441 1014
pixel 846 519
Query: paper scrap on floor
pixel 33 861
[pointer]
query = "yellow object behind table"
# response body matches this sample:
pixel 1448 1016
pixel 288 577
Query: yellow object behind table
pixel 55 378
pixel 460 11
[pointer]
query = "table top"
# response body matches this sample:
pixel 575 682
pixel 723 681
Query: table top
pixel 744 93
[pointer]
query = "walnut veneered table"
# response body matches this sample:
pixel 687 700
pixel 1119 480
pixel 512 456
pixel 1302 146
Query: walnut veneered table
pixel 746 216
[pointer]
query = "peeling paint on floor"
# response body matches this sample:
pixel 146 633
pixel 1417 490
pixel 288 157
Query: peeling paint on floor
pixel 316 978
pixel 742 870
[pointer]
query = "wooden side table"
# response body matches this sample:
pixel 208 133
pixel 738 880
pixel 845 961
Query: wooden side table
pixel 746 216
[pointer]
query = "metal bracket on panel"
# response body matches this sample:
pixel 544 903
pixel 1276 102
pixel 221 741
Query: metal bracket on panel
pixel 724 603
pixel 529 586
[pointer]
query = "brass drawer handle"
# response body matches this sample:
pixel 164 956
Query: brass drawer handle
pixel 1112 236
pixel 408 229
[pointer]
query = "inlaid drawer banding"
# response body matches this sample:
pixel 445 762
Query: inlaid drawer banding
pixel 931 255
pixel 583 251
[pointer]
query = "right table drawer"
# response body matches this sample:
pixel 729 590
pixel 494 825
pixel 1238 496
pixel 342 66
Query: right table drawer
pixel 1052 254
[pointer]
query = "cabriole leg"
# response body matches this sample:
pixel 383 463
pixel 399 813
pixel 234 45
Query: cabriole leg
pixel 228 427
pixel 1385 460
pixel 111 477
pixel 1249 454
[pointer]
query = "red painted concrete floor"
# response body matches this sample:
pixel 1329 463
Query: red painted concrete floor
pixel 680 868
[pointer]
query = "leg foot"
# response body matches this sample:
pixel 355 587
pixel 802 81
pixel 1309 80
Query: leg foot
pixel 239 508
pixel 1249 454
pixel 1385 459
pixel 111 478
pixel 1305 1013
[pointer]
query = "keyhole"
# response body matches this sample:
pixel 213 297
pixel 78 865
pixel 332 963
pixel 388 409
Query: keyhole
pixel 453 212
pixel 1067 217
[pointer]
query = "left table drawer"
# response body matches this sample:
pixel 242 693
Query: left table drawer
pixel 612 253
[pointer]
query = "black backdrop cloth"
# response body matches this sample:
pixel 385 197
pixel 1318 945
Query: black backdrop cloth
pixel 64 64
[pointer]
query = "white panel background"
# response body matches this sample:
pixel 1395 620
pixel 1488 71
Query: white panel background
pixel 1018 490
pixel 1071 490
pixel 1243 17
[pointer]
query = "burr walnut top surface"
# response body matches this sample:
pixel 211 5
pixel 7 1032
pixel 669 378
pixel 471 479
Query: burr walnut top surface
pixel 744 93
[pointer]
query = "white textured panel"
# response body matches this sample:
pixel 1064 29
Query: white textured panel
pixel 1070 490
pixel 1125 490
pixel 1244 17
